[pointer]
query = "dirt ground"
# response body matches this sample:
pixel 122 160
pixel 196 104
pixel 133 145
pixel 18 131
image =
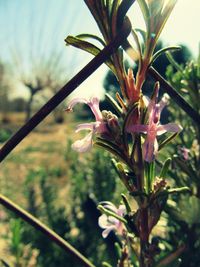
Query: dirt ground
pixel 45 147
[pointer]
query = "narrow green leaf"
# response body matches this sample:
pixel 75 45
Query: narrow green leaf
pixel 114 104
pixel 84 45
pixel 155 8
pixel 173 62
pixel 105 264
pixel 164 17
pixel 91 36
pixel 167 192
pixel 88 47
pixel 142 33
pixel 109 143
pixel 164 50
pixel 114 10
pixel 184 189
pixel 113 148
pixel 149 175
pixel 121 172
pixel 116 153
pixel 94 8
pixel 167 140
pixel 145 12
pixel 108 4
pixel 126 203
pixel 118 250
pixel 135 36
pixel 165 168
pixel 104 13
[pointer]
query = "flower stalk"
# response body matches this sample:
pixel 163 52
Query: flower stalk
pixel 133 135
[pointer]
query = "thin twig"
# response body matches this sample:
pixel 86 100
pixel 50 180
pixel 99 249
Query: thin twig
pixel 175 95
pixel 45 230
pixel 66 90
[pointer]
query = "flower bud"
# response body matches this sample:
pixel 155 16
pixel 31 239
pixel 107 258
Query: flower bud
pixel 111 122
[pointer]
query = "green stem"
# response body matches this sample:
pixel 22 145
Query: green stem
pixel 45 230
pixel 140 164
pixel 141 76
pixel 144 230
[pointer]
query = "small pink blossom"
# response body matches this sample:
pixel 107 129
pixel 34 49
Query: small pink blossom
pixel 184 152
pixel 99 126
pixel 132 92
pixel 109 223
pixel 153 128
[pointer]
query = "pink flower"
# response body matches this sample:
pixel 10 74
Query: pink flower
pixel 110 223
pixel 132 92
pixel 184 152
pixel 99 126
pixel 153 128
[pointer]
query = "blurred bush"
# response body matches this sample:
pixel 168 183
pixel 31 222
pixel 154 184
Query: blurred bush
pixel 91 179
pixel 184 210
pixel 4 135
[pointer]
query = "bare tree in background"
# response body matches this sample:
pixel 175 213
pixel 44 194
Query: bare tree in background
pixel 4 91
pixel 37 60
pixel 45 79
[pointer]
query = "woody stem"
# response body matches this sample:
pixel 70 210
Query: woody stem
pixel 144 238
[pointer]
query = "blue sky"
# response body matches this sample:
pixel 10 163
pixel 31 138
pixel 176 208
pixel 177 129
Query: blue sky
pixel 37 29
pixel 32 30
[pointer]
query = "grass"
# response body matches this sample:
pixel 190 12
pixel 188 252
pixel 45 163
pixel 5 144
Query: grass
pixel 42 150
pixel 43 161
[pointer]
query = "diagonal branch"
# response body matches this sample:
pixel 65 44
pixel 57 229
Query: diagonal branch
pixel 8 204
pixel 175 95
pixel 66 90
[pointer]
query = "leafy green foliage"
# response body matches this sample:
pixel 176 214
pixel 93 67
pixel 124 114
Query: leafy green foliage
pixel 183 210
pixel 4 135
pixel 91 180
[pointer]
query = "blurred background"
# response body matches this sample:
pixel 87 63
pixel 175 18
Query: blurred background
pixel 43 174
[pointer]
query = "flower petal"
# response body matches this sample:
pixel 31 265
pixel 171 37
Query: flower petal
pixel 85 126
pixel 154 99
pixel 170 127
pixel 163 102
pixel 137 128
pixel 150 149
pixel 121 210
pixel 94 105
pixel 107 231
pixel 84 144
pixel 75 101
pixel 111 207
pixel 103 221
pixel 155 147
